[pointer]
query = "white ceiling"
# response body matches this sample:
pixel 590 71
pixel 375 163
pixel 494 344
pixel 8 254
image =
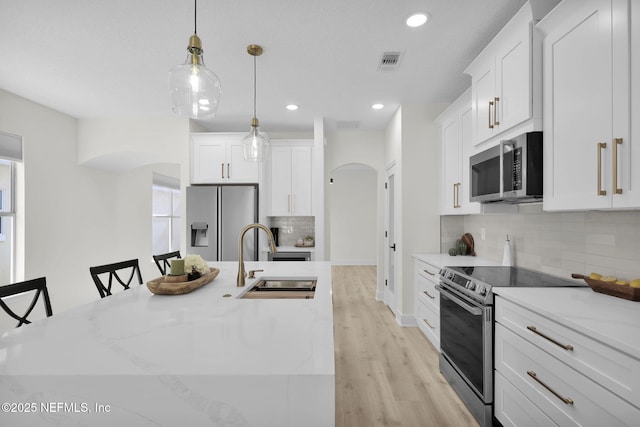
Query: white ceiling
pixel 110 58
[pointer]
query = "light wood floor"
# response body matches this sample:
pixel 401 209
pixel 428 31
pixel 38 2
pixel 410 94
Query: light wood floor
pixel 386 375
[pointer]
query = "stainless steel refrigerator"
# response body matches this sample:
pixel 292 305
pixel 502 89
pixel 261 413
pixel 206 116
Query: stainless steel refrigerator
pixel 216 214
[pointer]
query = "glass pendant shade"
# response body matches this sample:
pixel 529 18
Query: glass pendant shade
pixel 195 89
pixel 255 145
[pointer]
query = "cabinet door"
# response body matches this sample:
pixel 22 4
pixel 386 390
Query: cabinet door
pixel 466 141
pixel 577 86
pixel 513 77
pixel 208 163
pixel 238 169
pixel 452 157
pixel 301 172
pixel 484 102
pixel 280 181
pixel 629 150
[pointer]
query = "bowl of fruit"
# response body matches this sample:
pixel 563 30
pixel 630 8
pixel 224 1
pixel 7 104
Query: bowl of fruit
pixel 612 285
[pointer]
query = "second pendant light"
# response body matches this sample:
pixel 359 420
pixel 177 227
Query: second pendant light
pixel 256 144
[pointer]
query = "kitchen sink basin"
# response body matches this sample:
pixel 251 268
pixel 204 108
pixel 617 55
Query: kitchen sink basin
pixel 282 288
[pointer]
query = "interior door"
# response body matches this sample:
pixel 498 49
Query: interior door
pixel 390 241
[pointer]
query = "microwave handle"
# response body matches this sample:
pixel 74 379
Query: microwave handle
pixel 504 143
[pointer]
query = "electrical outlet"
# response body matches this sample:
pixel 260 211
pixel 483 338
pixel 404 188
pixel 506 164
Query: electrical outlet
pixel 483 233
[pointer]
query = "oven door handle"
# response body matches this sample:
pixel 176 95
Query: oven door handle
pixel 476 311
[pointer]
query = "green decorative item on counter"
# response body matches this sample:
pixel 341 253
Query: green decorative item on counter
pixel 462 247
pixel 453 252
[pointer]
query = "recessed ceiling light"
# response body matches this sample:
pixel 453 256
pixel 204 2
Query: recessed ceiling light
pixel 377 106
pixel 292 107
pixel 417 19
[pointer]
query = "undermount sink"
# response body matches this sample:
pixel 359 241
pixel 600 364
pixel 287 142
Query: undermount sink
pixel 282 288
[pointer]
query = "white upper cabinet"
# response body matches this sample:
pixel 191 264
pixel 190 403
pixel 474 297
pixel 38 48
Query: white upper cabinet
pixel 504 85
pixel 456 144
pixel 217 158
pixel 589 157
pixel 291 179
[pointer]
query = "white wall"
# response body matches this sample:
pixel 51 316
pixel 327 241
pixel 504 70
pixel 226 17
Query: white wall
pixel 365 148
pixel 353 215
pixel 71 216
pixel 412 144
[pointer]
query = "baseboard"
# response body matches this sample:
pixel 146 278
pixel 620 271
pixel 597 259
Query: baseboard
pixel 379 295
pixel 406 320
pixel 353 262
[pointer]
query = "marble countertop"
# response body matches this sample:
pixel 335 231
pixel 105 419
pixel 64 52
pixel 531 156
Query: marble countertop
pixel 443 260
pixel 257 357
pixel 610 320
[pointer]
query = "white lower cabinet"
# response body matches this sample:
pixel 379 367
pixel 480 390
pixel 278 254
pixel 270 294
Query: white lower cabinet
pixel 549 374
pixel 427 300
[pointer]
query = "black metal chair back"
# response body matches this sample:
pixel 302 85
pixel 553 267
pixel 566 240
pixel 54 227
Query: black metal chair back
pixel 39 286
pixel 162 261
pixel 115 271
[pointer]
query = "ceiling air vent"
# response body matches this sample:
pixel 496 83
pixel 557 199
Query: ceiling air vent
pixel 390 61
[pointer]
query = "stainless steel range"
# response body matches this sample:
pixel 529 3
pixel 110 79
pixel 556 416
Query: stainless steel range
pixel 466 328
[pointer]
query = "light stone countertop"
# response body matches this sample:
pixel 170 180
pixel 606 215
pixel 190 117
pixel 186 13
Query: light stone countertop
pixel 443 260
pixel 183 359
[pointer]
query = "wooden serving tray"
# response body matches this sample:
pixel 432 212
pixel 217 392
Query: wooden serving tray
pixel 165 286
pixel 610 288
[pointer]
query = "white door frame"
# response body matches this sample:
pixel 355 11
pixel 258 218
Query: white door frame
pixel 390 220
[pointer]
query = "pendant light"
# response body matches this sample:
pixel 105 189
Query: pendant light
pixel 256 144
pixel 195 89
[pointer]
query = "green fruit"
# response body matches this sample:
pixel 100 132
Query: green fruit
pixel 453 252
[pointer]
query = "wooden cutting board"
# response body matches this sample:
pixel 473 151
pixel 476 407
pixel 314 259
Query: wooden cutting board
pixel 467 239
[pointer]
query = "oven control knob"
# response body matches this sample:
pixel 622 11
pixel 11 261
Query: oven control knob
pixel 470 285
pixel 482 291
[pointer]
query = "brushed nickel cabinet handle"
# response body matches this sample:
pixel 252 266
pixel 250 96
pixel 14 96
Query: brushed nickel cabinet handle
pixel 616 141
pixel 537 332
pixel 601 145
pixel 429 324
pixel 222 169
pixel 228 170
pixel 429 273
pixel 427 294
pixel 490 105
pixel 566 400
pixel 495 111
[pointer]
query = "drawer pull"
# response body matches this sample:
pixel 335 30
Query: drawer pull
pixel 535 331
pixel 429 324
pixel 429 273
pixel 566 400
pixel 427 294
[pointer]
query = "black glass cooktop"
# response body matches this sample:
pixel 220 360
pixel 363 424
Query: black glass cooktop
pixel 498 276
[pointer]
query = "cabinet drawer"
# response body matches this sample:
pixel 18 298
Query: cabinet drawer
pixel 513 409
pixel 614 370
pixel 426 292
pixel 429 323
pixel 528 367
pixel 428 271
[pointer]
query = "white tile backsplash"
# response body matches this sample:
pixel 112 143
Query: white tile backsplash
pixel 558 243
pixel 293 228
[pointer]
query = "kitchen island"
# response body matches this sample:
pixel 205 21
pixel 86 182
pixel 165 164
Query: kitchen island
pixel 204 358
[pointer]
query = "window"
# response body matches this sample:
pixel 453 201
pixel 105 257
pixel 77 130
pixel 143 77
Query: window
pixel 166 214
pixel 10 152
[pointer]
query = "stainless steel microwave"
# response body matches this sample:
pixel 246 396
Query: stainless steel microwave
pixel 509 172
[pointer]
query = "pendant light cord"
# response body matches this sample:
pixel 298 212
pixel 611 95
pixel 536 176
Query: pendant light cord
pixel 195 16
pixel 254 86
